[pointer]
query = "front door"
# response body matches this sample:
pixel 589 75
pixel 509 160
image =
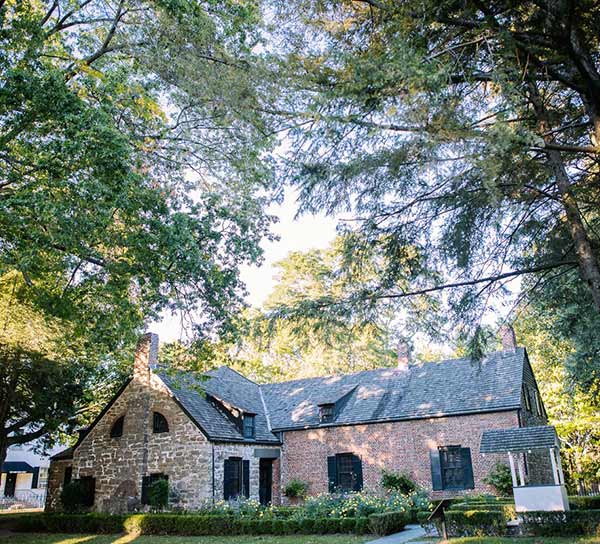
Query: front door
pixel 11 483
pixel 265 484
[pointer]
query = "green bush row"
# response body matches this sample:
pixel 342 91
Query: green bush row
pixel 572 523
pixel 475 523
pixel 585 503
pixel 178 524
pixel 389 522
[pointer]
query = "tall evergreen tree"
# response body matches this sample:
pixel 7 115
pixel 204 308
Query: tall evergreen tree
pixel 466 131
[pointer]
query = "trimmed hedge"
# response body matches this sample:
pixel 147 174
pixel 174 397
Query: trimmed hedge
pixel 475 523
pixel 585 503
pixel 186 524
pixel 572 523
pixel 388 522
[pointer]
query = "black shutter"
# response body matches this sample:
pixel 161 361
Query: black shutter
pixel 88 490
pixel 436 470
pixel 145 487
pixel 246 479
pixel 467 466
pixel 228 469
pixel 357 471
pixel 35 477
pixel 332 473
pixel 68 475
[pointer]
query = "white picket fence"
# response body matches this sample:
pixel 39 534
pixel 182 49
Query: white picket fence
pixel 24 498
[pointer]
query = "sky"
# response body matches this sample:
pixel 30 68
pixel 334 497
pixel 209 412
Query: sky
pixel 295 234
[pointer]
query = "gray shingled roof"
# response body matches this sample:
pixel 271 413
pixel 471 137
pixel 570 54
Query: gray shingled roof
pixel 451 387
pixel 227 386
pixel 518 439
pixel 456 386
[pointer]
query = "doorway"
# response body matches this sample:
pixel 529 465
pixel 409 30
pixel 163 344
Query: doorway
pixel 265 484
pixel 10 485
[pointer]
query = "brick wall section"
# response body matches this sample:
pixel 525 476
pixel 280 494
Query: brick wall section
pixel 399 446
pixel 56 477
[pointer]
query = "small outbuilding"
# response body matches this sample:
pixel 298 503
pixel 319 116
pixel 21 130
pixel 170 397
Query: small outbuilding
pixel 522 444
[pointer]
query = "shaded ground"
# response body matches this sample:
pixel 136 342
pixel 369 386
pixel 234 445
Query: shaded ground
pixel 497 540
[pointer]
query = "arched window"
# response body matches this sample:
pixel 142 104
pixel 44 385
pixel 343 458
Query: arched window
pixel 159 423
pixel 117 429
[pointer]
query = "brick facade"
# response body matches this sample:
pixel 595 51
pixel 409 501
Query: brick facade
pixel 401 446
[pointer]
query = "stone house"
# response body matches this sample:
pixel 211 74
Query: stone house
pixel 226 436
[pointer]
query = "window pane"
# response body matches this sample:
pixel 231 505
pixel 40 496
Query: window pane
pixel 345 475
pixel 452 469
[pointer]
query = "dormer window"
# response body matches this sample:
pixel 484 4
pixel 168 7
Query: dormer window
pixel 248 426
pixel 326 412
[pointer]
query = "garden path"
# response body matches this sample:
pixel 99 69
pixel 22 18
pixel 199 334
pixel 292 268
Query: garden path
pixel 411 532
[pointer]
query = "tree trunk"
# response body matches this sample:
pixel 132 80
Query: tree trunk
pixel 589 264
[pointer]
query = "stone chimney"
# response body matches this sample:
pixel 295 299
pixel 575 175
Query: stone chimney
pixel 146 356
pixel 508 338
pixel 403 355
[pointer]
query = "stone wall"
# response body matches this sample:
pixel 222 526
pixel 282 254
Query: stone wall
pixel 118 464
pixel 56 478
pixel 399 446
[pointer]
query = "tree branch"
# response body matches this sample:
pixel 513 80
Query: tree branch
pixel 466 283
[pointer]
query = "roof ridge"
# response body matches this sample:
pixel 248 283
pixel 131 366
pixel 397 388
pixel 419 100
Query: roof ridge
pixel 239 374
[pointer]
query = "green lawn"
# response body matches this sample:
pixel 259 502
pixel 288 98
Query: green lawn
pixel 117 539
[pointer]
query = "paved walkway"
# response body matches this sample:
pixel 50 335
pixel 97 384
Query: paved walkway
pixel 410 533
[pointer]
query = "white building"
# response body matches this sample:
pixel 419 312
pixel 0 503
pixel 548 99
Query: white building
pixel 24 477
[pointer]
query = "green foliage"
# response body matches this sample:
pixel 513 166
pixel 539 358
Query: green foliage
pixel 585 503
pixel 500 479
pixel 71 496
pixel 393 481
pixel 573 523
pixel 475 523
pixel 388 522
pixel 181 524
pixel 158 494
pixel 451 164
pixel 296 488
pixel 102 225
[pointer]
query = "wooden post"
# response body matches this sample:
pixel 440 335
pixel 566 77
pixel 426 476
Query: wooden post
pixel 554 467
pixel 512 469
pixel 521 471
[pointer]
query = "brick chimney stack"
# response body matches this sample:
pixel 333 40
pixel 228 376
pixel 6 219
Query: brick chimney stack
pixel 508 338
pixel 403 355
pixel 146 356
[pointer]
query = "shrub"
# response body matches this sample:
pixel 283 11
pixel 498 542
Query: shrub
pixel 393 481
pixel 158 494
pixel 71 496
pixel 307 526
pixel 573 523
pixel 585 503
pixel 475 523
pixel 361 526
pixel 295 488
pixel 388 522
pixel 500 479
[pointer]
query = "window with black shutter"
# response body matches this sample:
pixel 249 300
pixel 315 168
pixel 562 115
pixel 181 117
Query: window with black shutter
pixel 159 423
pixel 88 490
pixel 344 472
pixel 236 478
pixel 68 475
pixel 116 430
pixel 248 426
pixel 451 468
pixel 147 482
